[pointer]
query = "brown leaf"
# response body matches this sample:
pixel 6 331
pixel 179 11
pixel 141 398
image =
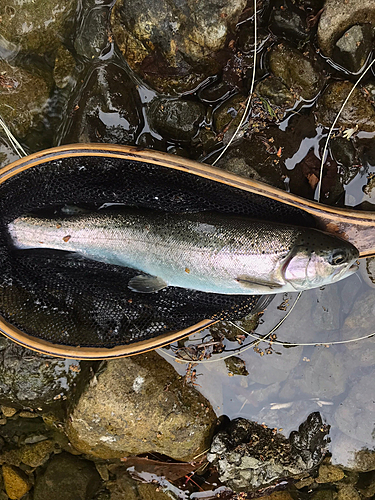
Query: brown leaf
pixel 313 180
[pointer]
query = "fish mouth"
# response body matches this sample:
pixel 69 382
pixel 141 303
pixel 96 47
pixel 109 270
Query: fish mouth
pixel 354 267
pixel 346 271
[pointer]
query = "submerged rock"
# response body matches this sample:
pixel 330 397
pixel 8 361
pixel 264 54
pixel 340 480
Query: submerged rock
pixel 138 405
pixel 107 108
pixel 236 366
pixel 36 26
pixel 171 43
pixel 299 73
pixel 228 115
pixel 64 67
pixel 127 488
pixel 32 380
pixel 329 474
pixel 288 20
pixel 278 94
pixel 67 477
pixel 176 119
pixel 23 97
pixel 36 454
pixel 93 33
pixel 358 112
pixel 249 455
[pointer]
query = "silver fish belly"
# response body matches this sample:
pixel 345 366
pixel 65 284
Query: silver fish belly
pixel 203 251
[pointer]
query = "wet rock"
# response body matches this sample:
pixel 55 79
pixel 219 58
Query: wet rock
pixel 344 154
pixel 329 474
pixel 354 415
pixel 323 495
pixel 277 93
pixel 353 48
pixel 64 67
pixel 103 471
pixel 364 460
pixel 228 115
pixel 348 492
pixel 76 478
pixel 32 380
pixel 299 73
pixel 36 454
pixel 215 92
pixel 176 119
pixel 23 97
pixel 93 33
pixel 114 418
pixel 256 157
pixel 366 484
pixel 357 112
pixel 107 108
pixel 337 17
pixel 288 20
pixel 16 482
pixel 238 70
pixel 124 487
pixel 280 495
pixel 236 366
pixel 173 44
pixel 104 495
pixel 249 455
pixel 36 26
pixel 8 411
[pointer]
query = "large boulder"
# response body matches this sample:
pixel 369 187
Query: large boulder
pixel 137 405
pixel 170 42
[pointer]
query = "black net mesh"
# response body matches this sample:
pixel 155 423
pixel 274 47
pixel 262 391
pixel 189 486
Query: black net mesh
pixel 77 302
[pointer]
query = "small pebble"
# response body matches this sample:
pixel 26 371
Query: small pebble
pixel 8 411
pixel 28 414
pixel 16 482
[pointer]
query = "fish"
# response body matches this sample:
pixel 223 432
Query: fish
pixel 205 251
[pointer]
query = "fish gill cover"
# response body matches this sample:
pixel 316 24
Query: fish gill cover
pixel 65 300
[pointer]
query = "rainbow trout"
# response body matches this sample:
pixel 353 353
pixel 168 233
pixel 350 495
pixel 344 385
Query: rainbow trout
pixel 204 251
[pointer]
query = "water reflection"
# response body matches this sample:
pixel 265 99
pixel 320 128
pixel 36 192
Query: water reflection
pixel 284 386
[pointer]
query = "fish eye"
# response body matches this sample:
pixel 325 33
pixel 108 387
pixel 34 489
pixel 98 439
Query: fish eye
pixel 338 258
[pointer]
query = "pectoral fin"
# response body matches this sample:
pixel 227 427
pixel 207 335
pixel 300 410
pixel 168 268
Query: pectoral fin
pixel 146 283
pixel 258 285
